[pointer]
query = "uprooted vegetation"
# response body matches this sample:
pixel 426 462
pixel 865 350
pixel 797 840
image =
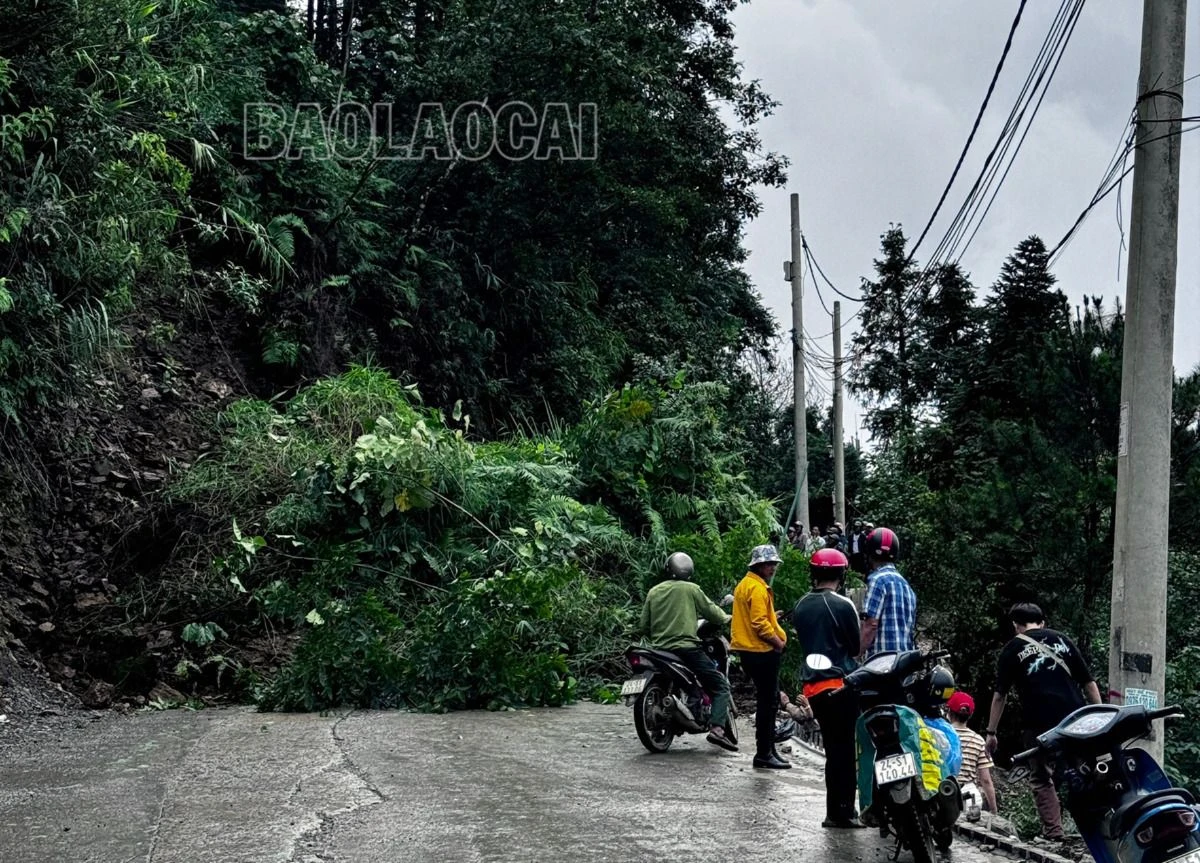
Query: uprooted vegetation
pixel 414 567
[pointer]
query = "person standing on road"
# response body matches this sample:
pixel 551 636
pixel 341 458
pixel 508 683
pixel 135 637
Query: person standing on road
pixel 816 540
pixel 890 607
pixel 669 622
pixel 758 640
pixel 826 623
pixel 857 535
pixel 1052 680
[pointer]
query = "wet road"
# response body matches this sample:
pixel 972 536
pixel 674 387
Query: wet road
pixel 237 786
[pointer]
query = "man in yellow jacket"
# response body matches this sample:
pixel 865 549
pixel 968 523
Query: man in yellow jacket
pixel 758 640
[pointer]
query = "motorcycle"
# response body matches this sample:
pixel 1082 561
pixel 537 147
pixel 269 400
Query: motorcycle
pixel 1122 802
pixel 667 699
pixel 908 754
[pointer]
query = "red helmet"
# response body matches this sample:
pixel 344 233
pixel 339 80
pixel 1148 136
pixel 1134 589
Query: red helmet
pixel 962 704
pixel 827 559
pixel 882 543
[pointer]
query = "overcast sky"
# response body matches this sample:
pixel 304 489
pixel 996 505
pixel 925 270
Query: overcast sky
pixel 877 101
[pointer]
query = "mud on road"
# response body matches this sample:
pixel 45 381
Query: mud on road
pixel 237 786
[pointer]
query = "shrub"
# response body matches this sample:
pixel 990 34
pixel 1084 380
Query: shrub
pixel 421 569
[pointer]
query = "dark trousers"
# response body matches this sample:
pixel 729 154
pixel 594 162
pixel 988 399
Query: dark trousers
pixel 763 669
pixel 711 679
pixel 836 713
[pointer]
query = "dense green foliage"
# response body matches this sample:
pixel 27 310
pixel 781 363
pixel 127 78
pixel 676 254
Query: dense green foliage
pixel 997 424
pixel 133 171
pixel 422 560
pixel 423 569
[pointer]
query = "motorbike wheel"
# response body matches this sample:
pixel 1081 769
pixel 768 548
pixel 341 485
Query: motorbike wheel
pixel 915 833
pixel 653 727
pixel 944 839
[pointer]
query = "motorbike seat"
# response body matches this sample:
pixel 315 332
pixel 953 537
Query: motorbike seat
pixel 662 655
pixel 1125 817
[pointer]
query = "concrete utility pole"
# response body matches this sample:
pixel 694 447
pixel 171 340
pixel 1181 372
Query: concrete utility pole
pixel 1137 658
pixel 795 275
pixel 839 464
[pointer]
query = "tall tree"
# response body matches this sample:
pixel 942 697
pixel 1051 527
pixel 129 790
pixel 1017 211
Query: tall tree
pixel 883 371
pixel 1026 324
pixel 516 284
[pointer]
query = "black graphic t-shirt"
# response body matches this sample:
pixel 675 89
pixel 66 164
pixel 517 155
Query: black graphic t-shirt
pixel 1048 691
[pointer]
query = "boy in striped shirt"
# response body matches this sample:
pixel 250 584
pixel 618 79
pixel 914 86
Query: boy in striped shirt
pixel 976 765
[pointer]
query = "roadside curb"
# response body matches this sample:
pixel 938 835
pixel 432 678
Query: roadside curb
pixel 986 840
pixel 1007 844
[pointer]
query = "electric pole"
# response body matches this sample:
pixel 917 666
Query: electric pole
pixel 839 464
pixel 1137 657
pixel 795 275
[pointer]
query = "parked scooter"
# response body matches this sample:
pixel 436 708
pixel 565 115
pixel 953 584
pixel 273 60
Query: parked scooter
pixel 908 754
pixel 1122 802
pixel 667 698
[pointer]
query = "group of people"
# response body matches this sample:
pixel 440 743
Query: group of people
pixel 1045 667
pixel 849 543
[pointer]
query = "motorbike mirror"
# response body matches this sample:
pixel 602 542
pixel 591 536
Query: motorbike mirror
pixel 818 662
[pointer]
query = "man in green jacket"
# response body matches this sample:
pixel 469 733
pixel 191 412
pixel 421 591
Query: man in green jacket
pixel 669 622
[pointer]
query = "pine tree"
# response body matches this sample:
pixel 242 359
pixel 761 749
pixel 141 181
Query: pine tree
pixel 883 370
pixel 1026 323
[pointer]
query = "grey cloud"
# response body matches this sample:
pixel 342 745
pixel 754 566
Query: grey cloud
pixel 877 100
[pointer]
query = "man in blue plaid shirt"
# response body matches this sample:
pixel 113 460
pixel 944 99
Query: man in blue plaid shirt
pixel 890 608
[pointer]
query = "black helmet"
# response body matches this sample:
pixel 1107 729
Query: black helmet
pixel 679 566
pixel 941 685
pixel 882 544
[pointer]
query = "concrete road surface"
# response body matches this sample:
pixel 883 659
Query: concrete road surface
pixel 236 786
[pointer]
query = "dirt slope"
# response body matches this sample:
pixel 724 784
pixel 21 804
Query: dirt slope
pixel 83 519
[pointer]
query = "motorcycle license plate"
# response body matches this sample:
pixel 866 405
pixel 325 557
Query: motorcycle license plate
pixel 1190 857
pixel 897 767
pixel 633 687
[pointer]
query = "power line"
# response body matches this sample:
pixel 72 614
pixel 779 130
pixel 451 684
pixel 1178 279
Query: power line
pixel 1004 139
pixel 1028 126
pixel 1108 185
pixel 816 284
pixel 813 263
pixel 1116 163
pixel 974 128
pixel 845 323
pixel 1053 48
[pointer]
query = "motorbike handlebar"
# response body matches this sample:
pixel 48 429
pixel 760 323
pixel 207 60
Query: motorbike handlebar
pixel 1021 757
pixel 1172 712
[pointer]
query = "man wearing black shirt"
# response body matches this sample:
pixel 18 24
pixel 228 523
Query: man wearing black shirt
pixel 827 623
pixel 1052 680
